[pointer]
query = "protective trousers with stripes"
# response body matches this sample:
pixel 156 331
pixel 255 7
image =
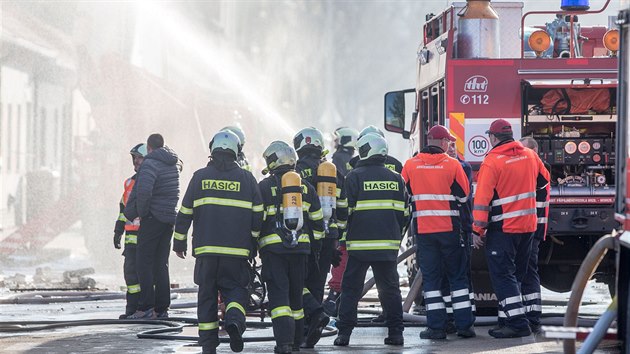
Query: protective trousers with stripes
pixel 446 288
pixel 284 275
pixel 435 252
pixel 230 276
pixel 131 279
pixel 508 257
pixel 386 277
pixel 530 286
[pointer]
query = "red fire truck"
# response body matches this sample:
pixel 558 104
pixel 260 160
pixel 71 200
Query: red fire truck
pixel 556 82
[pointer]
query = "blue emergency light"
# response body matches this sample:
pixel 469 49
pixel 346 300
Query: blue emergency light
pixel 575 5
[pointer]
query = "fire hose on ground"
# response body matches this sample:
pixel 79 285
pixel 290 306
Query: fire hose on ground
pixel 588 267
pixel 176 324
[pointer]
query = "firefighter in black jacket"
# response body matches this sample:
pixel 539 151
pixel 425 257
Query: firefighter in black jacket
pixel 130 229
pixel 377 201
pixel 309 145
pixel 286 240
pixel 223 201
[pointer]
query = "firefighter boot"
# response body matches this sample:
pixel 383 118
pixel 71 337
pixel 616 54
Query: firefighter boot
pixel 236 338
pixel 342 340
pixel 509 332
pixel 318 323
pixel 143 315
pixel 282 349
pixel 467 333
pixel 395 340
pixel 431 333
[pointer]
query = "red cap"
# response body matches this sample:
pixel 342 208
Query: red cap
pixel 440 132
pixel 499 126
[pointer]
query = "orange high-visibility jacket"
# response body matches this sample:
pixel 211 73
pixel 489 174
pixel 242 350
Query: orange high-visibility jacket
pixel 439 187
pixel 505 198
pixel 135 224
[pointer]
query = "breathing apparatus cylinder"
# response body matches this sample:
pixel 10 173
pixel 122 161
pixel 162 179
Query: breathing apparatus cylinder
pixel 292 204
pixel 327 189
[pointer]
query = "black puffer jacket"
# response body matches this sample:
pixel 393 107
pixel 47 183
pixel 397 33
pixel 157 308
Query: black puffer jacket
pixel 156 191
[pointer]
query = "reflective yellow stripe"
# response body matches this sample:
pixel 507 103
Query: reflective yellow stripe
pixel 281 311
pixel 316 215
pixel 338 194
pixel 258 208
pixel 133 288
pixel 372 245
pixel 380 204
pixel 208 326
pixel 121 217
pixel 305 291
pixel 298 314
pixel 318 235
pixel 235 305
pixel 305 206
pixel 178 236
pixel 231 251
pixel 223 202
pixel 131 239
pixel 184 210
pixel 255 234
pixel 274 238
pixel 342 203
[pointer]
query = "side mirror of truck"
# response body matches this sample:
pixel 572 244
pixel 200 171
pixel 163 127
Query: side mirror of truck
pixel 396 111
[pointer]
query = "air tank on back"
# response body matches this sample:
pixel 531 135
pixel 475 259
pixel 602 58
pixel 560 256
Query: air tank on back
pixel 478 31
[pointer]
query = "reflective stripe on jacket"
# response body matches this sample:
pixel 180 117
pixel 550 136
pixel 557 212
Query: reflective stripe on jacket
pixel 377 202
pixel 313 227
pixel 505 198
pixel 226 208
pixel 439 188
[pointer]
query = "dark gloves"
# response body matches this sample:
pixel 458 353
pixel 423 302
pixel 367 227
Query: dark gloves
pixel 117 238
pixel 336 258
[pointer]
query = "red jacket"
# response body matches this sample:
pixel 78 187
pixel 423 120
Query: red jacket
pixel 505 198
pixel 438 186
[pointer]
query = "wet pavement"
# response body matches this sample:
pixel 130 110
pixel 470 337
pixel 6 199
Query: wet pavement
pixel 122 338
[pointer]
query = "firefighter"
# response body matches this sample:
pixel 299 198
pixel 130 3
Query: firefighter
pixel 439 187
pixel 504 212
pixel 345 140
pixel 378 204
pixel 466 221
pixel 530 286
pixel 283 260
pixel 130 229
pixel 390 162
pixel 240 159
pixel 224 202
pixel 309 145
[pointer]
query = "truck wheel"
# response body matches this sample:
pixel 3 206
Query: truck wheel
pixel 558 278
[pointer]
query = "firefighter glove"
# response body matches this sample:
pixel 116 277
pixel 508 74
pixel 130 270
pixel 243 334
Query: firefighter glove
pixel 117 238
